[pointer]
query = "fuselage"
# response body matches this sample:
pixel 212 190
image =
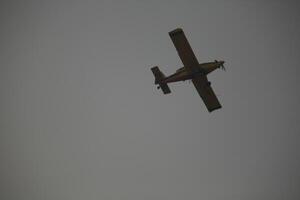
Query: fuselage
pixel 183 74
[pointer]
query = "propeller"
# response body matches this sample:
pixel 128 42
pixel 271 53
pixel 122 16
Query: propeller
pixel 222 65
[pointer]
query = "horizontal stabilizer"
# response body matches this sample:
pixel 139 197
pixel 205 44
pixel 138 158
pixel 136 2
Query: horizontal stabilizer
pixel 165 88
pixel 159 78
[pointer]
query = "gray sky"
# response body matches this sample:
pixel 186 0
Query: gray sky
pixel 81 118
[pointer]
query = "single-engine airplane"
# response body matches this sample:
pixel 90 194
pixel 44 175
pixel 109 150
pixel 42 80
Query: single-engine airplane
pixel 191 70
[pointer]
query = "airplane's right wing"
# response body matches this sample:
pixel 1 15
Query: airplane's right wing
pixel 184 49
pixel 206 93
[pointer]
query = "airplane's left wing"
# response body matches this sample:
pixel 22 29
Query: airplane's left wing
pixel 206 93
pixel 184 49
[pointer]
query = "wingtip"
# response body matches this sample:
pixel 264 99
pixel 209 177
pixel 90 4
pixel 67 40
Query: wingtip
pixel 176 31
pixel 215 108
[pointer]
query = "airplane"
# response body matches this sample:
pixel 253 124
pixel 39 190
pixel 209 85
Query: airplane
pixel 191 70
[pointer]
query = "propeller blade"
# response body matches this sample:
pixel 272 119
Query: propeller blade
pixel 223 68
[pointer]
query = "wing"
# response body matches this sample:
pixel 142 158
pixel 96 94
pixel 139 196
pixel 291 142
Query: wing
pixel 184 49
pixel 206 93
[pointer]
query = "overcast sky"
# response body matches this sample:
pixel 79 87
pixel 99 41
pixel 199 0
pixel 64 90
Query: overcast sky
pixel 80 117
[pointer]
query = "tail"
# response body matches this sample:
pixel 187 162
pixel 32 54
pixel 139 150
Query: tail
pixel 159 77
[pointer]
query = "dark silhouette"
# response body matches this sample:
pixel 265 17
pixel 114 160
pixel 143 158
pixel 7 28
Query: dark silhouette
pixel 191 70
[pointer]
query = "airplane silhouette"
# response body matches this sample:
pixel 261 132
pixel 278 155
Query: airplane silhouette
pixel 191 70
